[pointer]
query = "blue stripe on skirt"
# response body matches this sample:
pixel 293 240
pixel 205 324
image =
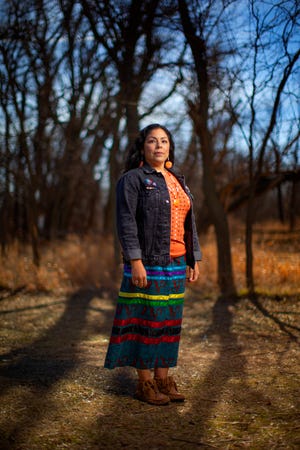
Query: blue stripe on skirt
pixel 147 324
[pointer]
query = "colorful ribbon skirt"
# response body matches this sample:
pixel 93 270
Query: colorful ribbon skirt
pixel 147 323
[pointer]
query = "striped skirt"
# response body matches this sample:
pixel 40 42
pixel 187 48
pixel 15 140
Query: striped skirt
pixel 147 323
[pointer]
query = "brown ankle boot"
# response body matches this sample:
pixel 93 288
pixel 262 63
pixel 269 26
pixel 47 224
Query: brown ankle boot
pixel 148 392
pixel 168 387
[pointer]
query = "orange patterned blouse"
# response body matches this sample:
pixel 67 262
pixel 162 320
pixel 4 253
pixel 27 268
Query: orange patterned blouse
pixel 180 205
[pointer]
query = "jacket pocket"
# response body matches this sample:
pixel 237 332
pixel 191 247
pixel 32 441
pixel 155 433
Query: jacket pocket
pixel 148 213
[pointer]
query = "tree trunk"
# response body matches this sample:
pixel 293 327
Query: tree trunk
pixel 220 222
pixel 132 121
pixel 248 244
pixel 200 117
pixel 280 204
pixel 109 223
pixel 292 206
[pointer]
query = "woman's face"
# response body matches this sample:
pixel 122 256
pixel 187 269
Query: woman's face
pixel 156 148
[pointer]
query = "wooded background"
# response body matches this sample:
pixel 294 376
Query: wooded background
pixel 79 78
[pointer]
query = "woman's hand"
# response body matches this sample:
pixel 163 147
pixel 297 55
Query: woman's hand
pixel 138 273
pixel 192 274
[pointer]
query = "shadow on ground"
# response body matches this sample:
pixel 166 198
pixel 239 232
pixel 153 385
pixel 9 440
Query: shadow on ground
pixel 237 367
pixel 46 361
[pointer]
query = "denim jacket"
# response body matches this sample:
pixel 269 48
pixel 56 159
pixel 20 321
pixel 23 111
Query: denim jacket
pixel 144 218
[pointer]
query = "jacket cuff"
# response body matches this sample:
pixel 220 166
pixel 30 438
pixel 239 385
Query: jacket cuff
pixel 197 256
pixel 134 253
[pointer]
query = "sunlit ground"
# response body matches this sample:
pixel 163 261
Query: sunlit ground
pixel 74 263
pixel 238 361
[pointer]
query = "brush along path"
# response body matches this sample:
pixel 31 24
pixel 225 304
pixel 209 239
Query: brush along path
pixel 238 366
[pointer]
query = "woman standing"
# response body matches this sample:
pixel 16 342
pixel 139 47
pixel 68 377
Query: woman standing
pixel 157 232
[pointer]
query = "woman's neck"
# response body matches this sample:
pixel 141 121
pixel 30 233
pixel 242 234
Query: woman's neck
pixel 159 168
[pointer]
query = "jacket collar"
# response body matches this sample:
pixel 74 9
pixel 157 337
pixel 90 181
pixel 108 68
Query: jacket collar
pixel 148 169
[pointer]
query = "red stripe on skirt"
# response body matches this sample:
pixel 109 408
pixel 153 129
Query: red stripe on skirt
pixel 147 323
pixel 143 339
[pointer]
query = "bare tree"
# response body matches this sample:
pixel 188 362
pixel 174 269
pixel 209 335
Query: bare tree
pixel 274 55
pixel 195 27
pixel 23 164
pixel 129 32
pixel 77 81
pixel 83 128
pixel 71 77
pixel 56 105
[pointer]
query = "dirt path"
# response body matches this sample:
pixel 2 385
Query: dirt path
pixel 239 367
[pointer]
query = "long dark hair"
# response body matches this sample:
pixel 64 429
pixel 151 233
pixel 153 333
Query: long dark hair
pixel 135 155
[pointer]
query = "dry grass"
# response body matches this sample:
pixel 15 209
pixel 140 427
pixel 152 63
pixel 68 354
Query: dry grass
pixel 276 253
pixel 75 263
pixel 65 266
pixel 238 363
